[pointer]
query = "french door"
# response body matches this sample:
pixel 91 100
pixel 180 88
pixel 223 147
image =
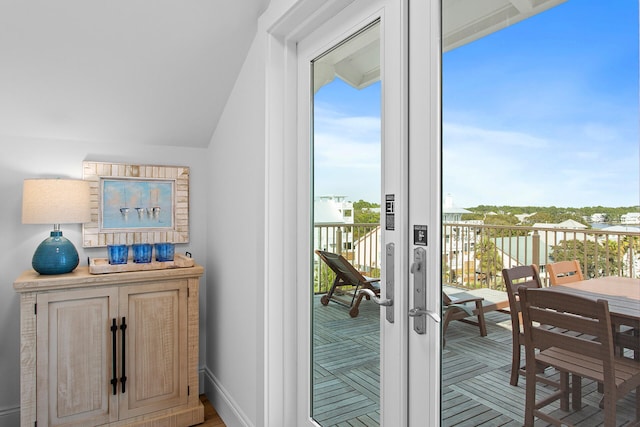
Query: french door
pixel 409 196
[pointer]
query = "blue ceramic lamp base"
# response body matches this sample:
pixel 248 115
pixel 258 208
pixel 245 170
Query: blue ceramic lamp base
pixel 55 255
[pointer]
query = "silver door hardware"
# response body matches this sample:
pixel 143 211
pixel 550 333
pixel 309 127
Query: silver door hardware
pixel 414 312
pixel 389 272
pixel 374 298
pixel 390 269
pixel 390 212
pixel 419 312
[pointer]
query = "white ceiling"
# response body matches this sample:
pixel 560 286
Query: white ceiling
pixel 357 60
pixel 464 21
pixel 160 72
pixel 136 71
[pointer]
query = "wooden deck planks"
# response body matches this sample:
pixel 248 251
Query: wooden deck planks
pixel 475 375
pixel 346 360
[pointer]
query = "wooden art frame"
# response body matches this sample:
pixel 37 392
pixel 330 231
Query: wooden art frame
pixel 136 204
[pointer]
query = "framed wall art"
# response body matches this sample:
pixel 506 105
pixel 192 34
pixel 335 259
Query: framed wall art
pixel 136 204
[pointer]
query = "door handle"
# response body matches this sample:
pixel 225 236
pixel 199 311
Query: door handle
pixel 419 312
pixel 390 282
pixel 374 298
pixel 415 312
pixel 114 378
pixel 123 378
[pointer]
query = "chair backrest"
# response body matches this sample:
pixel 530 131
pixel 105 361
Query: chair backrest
pixel 569 322
pixel 515 277
pixel 564 272
pixel 346 272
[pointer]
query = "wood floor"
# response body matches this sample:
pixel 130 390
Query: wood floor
pixel 211 417
pixel 475 376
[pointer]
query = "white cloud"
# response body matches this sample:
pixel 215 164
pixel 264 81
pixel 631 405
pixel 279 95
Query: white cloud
pixel 347 155
pixel 507 167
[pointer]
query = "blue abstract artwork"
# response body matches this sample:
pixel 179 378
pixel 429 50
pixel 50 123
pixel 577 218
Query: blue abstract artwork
pixel 134 203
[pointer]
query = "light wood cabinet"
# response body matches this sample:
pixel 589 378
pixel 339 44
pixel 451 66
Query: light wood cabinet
pixel 112 349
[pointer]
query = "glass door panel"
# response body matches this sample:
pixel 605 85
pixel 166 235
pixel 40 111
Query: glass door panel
pixel 540 146
pixel 346 225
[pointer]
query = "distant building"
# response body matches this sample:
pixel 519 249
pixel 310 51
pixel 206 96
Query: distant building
pixel 457 244
pixel 553 238
pixel 571 224
pixel 598 217
pixel 622 229
pixel 332 211
pixel 630 218
pixel 450 212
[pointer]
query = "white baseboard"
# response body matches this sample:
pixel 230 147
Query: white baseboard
pixel 10 417
pixel 224 404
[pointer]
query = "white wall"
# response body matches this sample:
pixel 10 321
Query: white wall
pixel 236 240
pixel 227 236
pixel 235 356
pixel 22 159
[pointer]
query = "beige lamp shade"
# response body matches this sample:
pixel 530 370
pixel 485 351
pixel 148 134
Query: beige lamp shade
pixel 55 201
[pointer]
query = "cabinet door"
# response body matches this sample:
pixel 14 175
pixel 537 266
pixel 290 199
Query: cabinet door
pixel 74 357
pixel 155 347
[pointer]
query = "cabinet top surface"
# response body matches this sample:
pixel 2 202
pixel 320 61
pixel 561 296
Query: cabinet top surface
pixel 31 281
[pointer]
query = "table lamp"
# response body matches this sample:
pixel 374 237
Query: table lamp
pixel 55 201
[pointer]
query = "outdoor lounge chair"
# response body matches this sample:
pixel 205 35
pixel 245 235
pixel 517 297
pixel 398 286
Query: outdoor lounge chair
pixel 347 275
pixel 458 309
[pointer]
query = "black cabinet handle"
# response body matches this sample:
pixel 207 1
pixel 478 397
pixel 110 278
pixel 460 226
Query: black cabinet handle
pixel 123 378
pixel 114 378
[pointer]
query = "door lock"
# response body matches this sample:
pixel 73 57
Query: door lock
pixel 419 312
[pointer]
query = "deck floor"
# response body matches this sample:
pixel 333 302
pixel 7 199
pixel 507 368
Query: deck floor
pixel 475 375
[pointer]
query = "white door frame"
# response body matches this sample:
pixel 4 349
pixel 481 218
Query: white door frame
pixel 393 359
pixel 286 202
pixel 282 207
pixel 425 192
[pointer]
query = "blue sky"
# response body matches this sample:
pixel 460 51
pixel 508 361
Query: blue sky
pixel 541 113
pixel 347 141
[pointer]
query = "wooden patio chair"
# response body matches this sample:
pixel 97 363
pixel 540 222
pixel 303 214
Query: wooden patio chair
pixel 347 275
pixel 527 276
pixel 573 353
pixel 562 272
pixel 461 309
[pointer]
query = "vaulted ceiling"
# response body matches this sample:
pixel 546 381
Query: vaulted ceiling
pixel 137 71
pixel 160 72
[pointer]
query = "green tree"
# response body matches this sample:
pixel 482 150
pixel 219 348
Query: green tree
pixel 501 219
pixel 366 212
pixel 593 257
pixel 490 260
pixel 474 216
pixel 543 217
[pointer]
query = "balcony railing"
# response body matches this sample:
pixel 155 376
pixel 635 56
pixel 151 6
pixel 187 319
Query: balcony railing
pixel 358 243
pixel 474 255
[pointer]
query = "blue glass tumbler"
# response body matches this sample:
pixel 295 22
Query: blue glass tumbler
pixel 118 254
pixel 141 252
pixel 164 251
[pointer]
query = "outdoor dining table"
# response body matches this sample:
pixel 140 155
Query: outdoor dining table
pixel 622 294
